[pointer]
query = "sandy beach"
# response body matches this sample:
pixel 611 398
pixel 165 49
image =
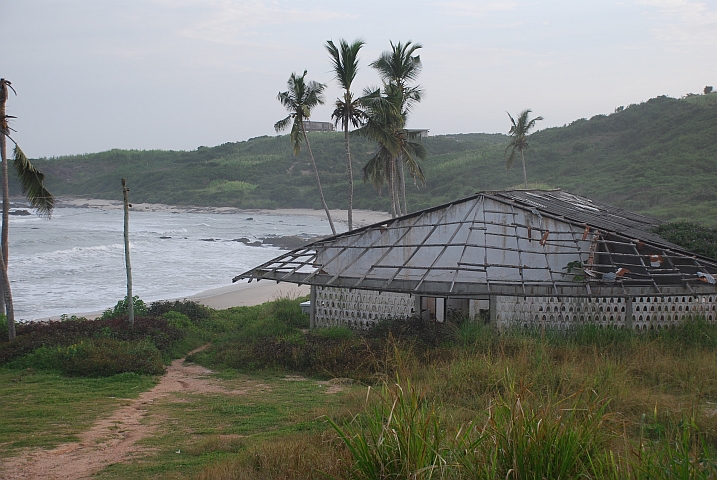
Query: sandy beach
pixel 247 294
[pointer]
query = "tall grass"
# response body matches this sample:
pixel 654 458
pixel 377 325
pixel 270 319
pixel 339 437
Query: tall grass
pixel 401 437
pixel 466 401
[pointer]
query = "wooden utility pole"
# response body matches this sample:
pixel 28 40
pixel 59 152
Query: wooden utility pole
pixel 130 300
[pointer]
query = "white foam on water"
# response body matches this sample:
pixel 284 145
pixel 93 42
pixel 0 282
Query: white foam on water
pixel 75 262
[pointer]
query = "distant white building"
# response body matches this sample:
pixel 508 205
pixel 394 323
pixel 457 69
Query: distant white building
pixel 318 126
pixel 421 132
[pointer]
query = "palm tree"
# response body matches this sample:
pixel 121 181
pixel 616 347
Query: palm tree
pixel 32 183
pixel 348 109
pixel 397 146
pixel 519 141
pixel 299 100
pixel 397 68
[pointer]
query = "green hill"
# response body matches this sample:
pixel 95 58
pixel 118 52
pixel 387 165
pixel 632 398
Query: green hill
pixel 658 158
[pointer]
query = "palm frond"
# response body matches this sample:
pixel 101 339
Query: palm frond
pixel 399 65
pixel 510 159
pixel 297 136
pixel 377 170
pixel 32 183
pixel 345 61
pixel 282 124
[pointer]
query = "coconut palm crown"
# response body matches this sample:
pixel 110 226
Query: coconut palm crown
pixel 519 132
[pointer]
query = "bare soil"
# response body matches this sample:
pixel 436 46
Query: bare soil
pixel 112 439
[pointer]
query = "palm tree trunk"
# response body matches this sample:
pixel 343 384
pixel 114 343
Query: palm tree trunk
pixel 525 174
pixel 351 175
pixel 5 196
pixel 394 189
pixel 318 180
pixel 390 183
pixel 402 183
pixel 7 297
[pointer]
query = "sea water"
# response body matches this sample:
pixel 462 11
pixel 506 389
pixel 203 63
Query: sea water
pixel 74 263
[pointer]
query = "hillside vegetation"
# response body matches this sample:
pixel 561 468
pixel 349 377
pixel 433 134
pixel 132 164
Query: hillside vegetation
pixel 658 158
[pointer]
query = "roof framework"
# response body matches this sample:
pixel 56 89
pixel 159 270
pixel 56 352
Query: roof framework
pixel 520 243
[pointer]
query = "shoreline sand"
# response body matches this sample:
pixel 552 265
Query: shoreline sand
pixel 241 293
pixel 361 217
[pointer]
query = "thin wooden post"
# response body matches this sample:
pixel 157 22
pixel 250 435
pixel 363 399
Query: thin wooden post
pixel 130 300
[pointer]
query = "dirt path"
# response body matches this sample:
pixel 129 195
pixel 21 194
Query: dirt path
pixel 112 439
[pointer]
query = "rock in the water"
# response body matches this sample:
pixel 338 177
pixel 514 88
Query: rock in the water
pixel 289 242
pixel 22 213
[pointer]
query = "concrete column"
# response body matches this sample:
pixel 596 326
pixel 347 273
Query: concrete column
pixel 440 309
pixel 628 313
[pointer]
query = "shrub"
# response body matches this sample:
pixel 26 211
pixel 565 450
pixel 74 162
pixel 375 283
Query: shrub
pixel 288 311
pixel 121 309
pixel 178 320
pixel 427 332
pixel 33 335
pixel 195 311
pixel 105 357
pixel 691 236
pixel 96 358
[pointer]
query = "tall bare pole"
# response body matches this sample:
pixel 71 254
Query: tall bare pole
pixel 130 301
pixel 5 130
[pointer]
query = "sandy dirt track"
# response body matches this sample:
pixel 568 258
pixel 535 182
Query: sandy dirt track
pixel 112 439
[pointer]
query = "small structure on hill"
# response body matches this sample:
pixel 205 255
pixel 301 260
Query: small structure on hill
pixel 540 258
pixel 311 126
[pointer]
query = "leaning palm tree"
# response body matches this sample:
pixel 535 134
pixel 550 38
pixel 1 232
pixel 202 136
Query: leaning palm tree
pixel 299 100
pixel 519 141
pixel 348 109
pixel 32 184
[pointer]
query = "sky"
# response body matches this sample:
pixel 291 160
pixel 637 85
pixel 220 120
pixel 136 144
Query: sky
pixel 92 75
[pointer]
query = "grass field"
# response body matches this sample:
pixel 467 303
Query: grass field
pixel 402 401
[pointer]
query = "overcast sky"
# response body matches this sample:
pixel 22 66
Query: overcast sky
pixel 92 75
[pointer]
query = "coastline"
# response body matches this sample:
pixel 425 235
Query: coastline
pixel 361 217
pixel 240 294
pixel 232 295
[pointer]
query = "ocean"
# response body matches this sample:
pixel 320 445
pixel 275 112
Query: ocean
pixel 74 263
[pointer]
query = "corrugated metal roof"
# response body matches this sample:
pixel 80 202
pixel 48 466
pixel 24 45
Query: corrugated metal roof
pixel 519 242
